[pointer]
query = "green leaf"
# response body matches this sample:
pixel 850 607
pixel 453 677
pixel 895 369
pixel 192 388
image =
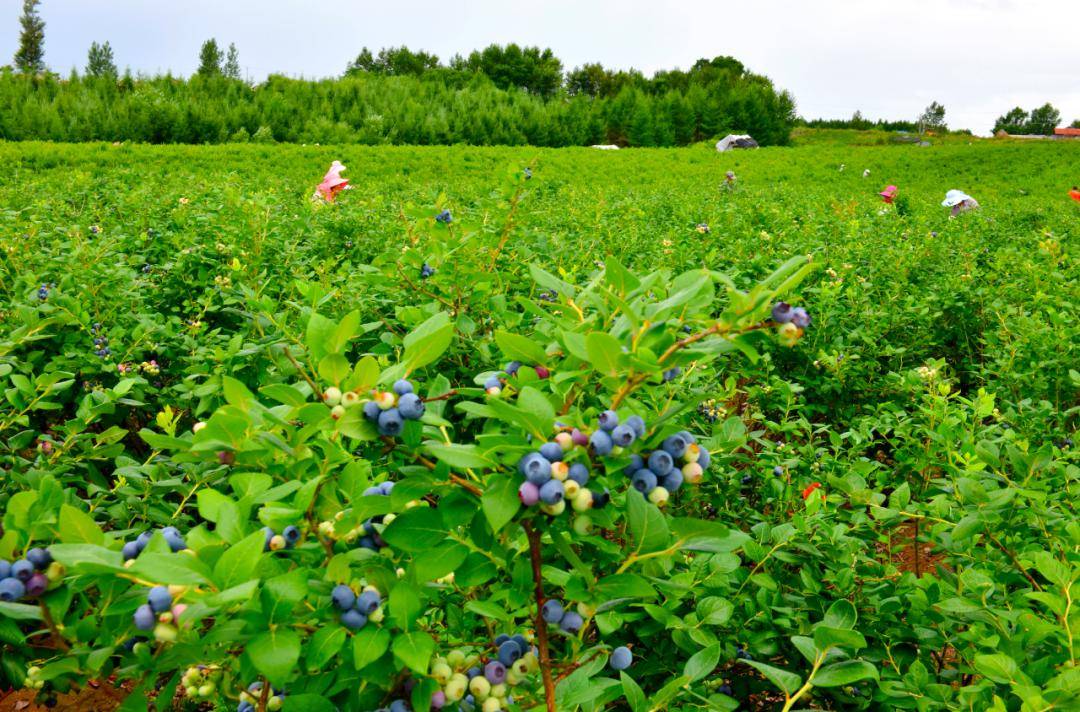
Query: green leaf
pixel 647 524
pixel 789 682
pixel 325 644
pixel 841 614
pixel 238 563
pixel 500 502
pixel 461 457
pixel 632 691
pixel 415 530
pixel 624 586
pixel 369 645
pixel 334 368
pixel 414 650
pixel 307 703
pixel 828 637
pixel 702 663
pixel 171 568
pixel 488 610
pixel 427 342
pixel 78 527
pixel 275 653
pixel 844 673
pixel 405 604
pixel 605 353
pixel 320 336
pixel 20 611
pixel 997 667
pixel 520 348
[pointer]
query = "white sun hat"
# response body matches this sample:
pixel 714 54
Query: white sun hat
pixel 954 198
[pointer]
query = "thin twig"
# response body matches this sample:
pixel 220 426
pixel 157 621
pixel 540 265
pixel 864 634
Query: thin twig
pixel 541 626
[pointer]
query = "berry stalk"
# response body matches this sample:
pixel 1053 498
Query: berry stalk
pixel 541 626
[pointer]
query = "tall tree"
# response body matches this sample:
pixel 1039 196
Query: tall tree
pixel 99 61
pixel 1044 120
pixel 232 63
pixel 210 59
pixel 1014 121
pixel 933 118
pixel 30 57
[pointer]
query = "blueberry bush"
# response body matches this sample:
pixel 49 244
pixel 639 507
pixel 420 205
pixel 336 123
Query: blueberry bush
pixel 524 429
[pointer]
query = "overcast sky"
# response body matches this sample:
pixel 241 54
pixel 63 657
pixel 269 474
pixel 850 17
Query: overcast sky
pixel 887 59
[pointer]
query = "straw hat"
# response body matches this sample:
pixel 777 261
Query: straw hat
pixel 954 198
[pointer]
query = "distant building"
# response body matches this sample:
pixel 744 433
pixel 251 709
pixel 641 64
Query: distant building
pixel 1066 133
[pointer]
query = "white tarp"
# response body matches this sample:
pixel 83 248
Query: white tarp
pixel 606 147
pixel 735 141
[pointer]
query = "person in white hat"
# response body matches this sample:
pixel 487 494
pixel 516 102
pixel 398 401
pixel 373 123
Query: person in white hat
pixel 959 201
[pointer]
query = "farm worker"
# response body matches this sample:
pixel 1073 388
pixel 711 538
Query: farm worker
pixel 1075 193
pixel 889 194
pixel 866 173
pixel 729 180
pixel 959 201
pixel 332 183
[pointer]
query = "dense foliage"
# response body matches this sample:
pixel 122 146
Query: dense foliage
pixel 498 96
pixel 887 515
pixel 1041 121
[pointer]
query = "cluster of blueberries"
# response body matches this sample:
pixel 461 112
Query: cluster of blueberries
pixel 100 341
pixel 662 472
pixel 201 681
pixel 569 622
pixel 249 700
pixel 784 313
pixel 158 613
pixel 368 533
pixel 549 295
pixel 551 482
pixel 43 291
pixel 703 228
pixel 671 374
pixel 494 383
pixel 356 610
pixel 390 409
pixel 287 539
pixel 487 688
pixel 444 217
pixel 426 271
pixel 172 537
pixel 25 578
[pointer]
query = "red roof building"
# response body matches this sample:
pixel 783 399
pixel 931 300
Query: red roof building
pixel 1070 133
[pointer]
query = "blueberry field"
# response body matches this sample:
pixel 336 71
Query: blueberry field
pixel 539 429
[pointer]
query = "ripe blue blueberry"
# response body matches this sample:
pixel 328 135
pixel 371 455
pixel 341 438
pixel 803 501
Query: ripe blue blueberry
pixel 159 598
pixel 671 374
pixel 522 643
pixel 343 597
pixel 493 382
pixel 675 445
pixel 673 480
pixel 353 619
pixel 367 542
pixel 608 420
pixel 5 568
pixel 399 706
pixel 742 654
pixel 368 602
pixel 501 638
pixel 495 672
pixel 552 492
pixel 621 658
pixel 444 217
pixel 800 318
pixel 372 410
pixel 600 499
pixel 552 611
pixel 636 463
pixel 39 557
pixel 11 589
pixel 22 570
pixel 747 479
pixel 778 471
pixel 268 534
pixel 578 473
pixel 373 491
pixel 551 452
pixel 386 488
pixel 704 458
pixel 291 534
pixel 173 538
pixel 781 312
pixel 37 585
pixel 426 271
pixel 623 435
pixel 644 481
pixel 571 622
pixel 509 652
pixel 402 386
pixel 144 617
pixel 512 368
pixel 143 539
pixel 725 690
pixel 601 443
pixel 410 406
pixel 391 422
pixel 536 468
pixel 661 462
pixel 637 423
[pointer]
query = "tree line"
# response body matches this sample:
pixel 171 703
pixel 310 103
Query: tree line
pixel 503 94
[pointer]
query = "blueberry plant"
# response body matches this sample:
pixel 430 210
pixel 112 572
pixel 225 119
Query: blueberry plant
pixel 298 465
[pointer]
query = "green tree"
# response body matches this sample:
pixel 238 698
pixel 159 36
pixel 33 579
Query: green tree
pixel 933 118
pixel 210 59
pixel 30 57
pixel 1014 121
pixel 1075 124
pixel 364 62
pixel 99 61
pixel 1044 120
pixel 232 63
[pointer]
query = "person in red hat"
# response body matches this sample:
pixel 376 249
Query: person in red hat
pixel 889 194
pixel 1075 193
